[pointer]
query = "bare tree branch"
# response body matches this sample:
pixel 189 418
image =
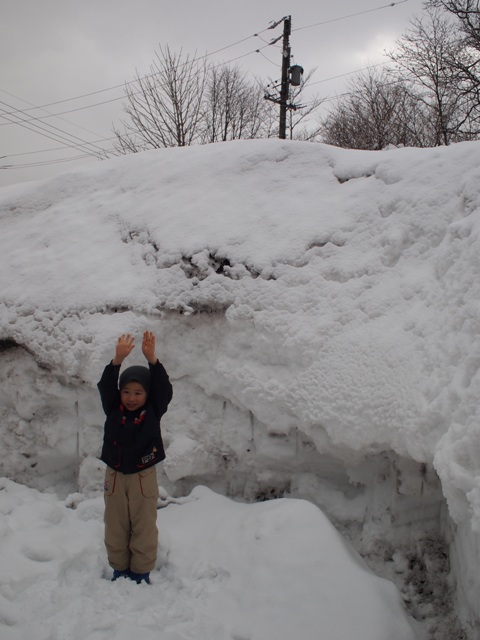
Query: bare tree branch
pixel 377 111
pixel 427 58
pixel 165 107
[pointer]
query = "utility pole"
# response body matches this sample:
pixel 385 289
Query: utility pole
pixel 290 76
pixel 284 90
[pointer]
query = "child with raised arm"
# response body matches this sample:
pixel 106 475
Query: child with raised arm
pixel 134 403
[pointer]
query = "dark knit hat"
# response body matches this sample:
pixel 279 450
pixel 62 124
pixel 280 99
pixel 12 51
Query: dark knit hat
pixel 135 374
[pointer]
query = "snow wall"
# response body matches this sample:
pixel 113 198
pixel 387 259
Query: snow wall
pixel 317 310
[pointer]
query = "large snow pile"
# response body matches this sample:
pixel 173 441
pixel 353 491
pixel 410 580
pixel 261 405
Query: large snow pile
pixel 317 310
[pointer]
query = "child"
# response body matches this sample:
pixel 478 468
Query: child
pixel 132 445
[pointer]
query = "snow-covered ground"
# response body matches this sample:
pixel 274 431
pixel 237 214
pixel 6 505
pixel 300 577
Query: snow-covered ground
pixel 226 571
pixel 317 310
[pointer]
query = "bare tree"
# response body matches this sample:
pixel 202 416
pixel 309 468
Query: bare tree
pixel 376 111
pixel 424 100
pixel 424 61
pixel 467 66
pixel 185 101
pixel 234 107
pixel 467 12
pixel 165 107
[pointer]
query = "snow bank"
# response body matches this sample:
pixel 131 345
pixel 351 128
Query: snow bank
pixel 315 308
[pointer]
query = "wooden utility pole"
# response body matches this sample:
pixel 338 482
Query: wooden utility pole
pixel 290 76
pixel 284 90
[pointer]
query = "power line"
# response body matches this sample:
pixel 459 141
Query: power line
pixel 267 59
pixel 97 104
pixel 350 73
pixel 30 153
pixel 29 165
pixel 345 94
pixel 69 141
pixel 61 113
pixel 351 15
pixel 36 107
pixel 121 86
pixel 44 134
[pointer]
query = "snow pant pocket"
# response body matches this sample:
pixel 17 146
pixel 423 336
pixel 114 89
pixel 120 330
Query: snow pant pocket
pixel 148 483
pixel 109 483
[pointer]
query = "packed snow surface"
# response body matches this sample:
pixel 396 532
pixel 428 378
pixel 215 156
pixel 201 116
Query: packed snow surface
pixel 309 303
pixel 228 570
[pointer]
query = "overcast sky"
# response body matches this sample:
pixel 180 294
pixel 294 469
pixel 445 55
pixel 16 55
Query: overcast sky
pixel 55 50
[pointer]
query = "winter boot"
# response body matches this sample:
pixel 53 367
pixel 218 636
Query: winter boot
pixel 140 577
pixel 123 573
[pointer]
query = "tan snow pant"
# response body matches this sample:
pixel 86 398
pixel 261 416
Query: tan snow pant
pixel 131 534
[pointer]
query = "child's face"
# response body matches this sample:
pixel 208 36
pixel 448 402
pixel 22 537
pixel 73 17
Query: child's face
pixel 133 396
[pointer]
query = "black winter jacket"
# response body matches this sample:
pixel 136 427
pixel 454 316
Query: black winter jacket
pixel 132 440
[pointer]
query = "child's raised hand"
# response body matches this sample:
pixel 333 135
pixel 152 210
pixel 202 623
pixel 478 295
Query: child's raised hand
pixel 148 347
pixel 123 348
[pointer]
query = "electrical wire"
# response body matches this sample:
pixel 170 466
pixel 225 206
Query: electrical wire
pixel 51 137
pixel 70 140
pixel 62 113
pixel 97 104
pixel 31 153
pixel 350 73
pixel 12 95
pixel 29 165
pixel 345 94
pixel 122 86
pixel 267 59
pixel 350 15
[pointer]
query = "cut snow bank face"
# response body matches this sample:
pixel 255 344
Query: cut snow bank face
pixel 316 309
